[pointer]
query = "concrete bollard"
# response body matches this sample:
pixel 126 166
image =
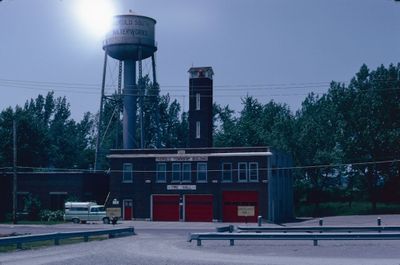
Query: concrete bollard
pixel 259 220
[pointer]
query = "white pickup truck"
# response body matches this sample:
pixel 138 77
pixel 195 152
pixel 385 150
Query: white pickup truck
pixel 81 212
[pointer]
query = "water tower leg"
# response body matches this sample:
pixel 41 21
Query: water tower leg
pixel 130 104
pixel 103 84
pixel 155 84
pixel 141 100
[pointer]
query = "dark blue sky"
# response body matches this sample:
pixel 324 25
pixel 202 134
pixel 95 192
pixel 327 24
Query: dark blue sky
pixel 247 42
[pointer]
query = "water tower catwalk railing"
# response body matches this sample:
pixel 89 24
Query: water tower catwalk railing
pixel 131 40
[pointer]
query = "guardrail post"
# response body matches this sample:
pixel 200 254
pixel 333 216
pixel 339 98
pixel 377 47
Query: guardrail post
pixel 379 221
pixel 86 238
pixel 321 222
pixel 259 220
pixel 315 242
pixel 198 242
pixel 231 242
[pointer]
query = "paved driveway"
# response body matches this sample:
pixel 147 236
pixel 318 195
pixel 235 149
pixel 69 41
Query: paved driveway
pixel 165 243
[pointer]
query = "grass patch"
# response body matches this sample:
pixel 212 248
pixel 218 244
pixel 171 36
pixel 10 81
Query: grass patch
pixel 48 243
pixel 338 208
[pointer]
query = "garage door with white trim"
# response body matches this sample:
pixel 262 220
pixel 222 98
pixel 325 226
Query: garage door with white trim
pixel 165 207
pixel 240 206
pixel 198 208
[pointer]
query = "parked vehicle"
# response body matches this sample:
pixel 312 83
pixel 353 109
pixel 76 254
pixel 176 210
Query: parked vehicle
pixel 81 212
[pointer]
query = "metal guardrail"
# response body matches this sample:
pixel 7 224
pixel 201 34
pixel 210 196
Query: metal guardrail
pixel 19 240
pixel 222 229
pixel 291 236
pixel 320 229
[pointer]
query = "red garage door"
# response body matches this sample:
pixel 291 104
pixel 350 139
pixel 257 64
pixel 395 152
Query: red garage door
pixel 237 202
pixel 165 207
pixel 198 208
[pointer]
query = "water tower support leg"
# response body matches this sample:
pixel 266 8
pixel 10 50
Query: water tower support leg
pixel 130 104
pixel 103 84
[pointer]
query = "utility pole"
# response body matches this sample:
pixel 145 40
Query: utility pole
pixel 14 171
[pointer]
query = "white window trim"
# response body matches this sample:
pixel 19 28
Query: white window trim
pixel 123 173
pixel 183 172
pixel 164 171
pixel 198 101
pixel 197 169
pixel 249 176
pixel 179 172
pixel 223 171
pixel 245 171
pixel 197 130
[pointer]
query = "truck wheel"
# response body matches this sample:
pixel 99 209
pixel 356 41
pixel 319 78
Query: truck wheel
pixel 76 220
pixel 106 220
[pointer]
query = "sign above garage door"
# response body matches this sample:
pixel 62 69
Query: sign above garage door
pixel 181 187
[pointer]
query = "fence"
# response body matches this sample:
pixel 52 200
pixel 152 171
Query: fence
pixel 300 233
pixel 19 240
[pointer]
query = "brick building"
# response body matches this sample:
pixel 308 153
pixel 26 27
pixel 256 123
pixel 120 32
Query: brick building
pixel 202 183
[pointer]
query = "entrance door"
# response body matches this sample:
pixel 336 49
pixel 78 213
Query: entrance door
pixel 165 207
pixel 128 209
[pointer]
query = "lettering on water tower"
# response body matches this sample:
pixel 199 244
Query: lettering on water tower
pixel 137 30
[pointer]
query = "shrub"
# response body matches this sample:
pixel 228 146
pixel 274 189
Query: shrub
pixel 32 207
pixel 51 216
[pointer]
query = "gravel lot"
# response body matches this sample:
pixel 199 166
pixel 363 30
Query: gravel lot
pixel 165 243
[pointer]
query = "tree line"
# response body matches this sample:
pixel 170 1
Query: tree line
pixel 344 143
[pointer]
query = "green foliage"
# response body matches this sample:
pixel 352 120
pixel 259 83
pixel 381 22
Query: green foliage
pixel 32 207
pixel 341 208
pixel 336 139
pixel 46 135
pixel 51 216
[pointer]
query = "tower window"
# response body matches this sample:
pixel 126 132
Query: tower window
pixel 227 172
pixel 242 172
pixel 197 101
pixel 161 172
pixel 201 172
pixel 176 172
pixel 197 129
pixel 253 171
pixel 127 173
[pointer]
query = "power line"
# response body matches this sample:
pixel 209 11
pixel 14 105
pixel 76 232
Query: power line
pixel 220 170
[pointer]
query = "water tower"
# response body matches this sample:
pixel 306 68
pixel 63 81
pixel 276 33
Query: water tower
pixel 131 40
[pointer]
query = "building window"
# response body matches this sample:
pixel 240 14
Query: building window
pixel 201 172
pixel 187 172
pixel 253 171
pixel 242 172
pixel 161 172
pixel 197 129
pixel 226 172
pixel 176 172
pixel 127 173
pixel 197 101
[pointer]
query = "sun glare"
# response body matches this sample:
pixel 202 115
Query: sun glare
pixel 95 15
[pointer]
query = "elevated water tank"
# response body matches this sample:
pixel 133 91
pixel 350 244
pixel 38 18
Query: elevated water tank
pixel 132 37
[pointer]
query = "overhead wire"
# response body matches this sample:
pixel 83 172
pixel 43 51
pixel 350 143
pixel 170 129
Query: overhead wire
pixel 337 165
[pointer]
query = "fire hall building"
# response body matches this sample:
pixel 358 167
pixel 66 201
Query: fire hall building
pixel 201 183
